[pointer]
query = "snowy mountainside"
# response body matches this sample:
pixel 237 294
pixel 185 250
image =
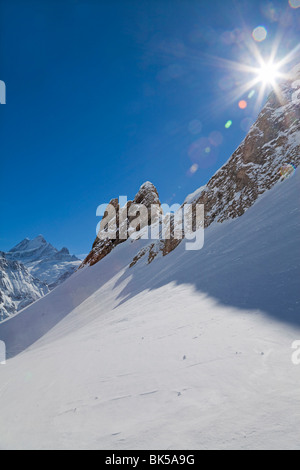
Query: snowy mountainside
pixel 272 143
pixel 18 288
pixel 43 260
pixel 29 270
pixel 191 352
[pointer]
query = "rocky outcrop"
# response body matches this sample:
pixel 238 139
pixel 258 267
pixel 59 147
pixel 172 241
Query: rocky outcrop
pixel 121 217
pixel 274 141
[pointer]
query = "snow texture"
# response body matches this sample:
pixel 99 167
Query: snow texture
pixel 190 352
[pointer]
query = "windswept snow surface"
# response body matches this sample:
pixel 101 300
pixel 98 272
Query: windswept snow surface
pixel 190 352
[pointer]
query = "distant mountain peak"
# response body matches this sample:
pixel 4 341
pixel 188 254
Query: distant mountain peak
pixel 40 238
pixel 18 288
pixel 64 250
pixel 43 260
pixel 29 244
pixel 30 270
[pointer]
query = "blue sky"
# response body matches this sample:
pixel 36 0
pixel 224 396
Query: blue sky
pixel 104 95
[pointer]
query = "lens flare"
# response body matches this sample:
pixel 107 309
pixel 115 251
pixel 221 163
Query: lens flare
pixel 287 170
pixel 228 124
pixel 260 34
pixel 243 104
pixel 294 3
pixel 194 168
pixel 262 69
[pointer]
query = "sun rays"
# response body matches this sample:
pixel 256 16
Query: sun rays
pixel 260 72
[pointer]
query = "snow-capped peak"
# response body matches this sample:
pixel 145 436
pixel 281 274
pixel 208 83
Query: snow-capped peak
pixel 28 245
pixel 43 260
pixel 148 185
pixel 18 288
pixel 36 264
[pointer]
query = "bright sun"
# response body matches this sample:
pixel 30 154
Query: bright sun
pixel 263 73
pixel 268 73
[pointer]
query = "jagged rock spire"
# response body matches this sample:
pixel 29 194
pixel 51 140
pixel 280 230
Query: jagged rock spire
pixel 146 196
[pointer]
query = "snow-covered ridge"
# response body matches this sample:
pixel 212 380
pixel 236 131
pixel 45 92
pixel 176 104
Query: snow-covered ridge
pixel 30 270
pixel 18 288
pixel 43 260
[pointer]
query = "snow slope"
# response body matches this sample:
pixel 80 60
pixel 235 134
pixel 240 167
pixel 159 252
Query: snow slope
pixel 190 352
